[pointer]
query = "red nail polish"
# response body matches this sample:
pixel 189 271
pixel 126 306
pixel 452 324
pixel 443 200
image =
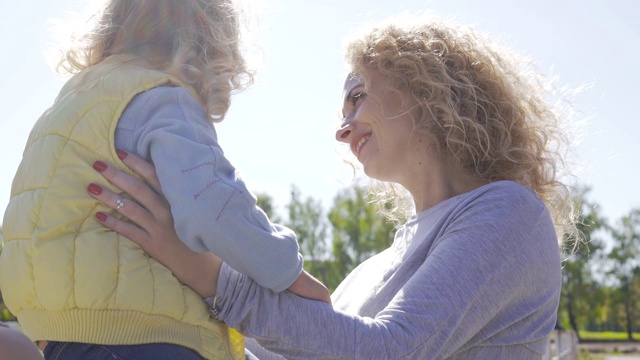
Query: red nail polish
pixel 122 154
pixel 94 189
pixel 99 166
pixel 101 216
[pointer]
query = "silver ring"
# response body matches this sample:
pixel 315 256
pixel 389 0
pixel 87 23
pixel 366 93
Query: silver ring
pixel 119 202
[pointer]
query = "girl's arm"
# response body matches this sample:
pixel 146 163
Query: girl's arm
pixel 211 207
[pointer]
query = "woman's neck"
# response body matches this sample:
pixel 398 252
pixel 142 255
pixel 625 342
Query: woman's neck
pixel 441 183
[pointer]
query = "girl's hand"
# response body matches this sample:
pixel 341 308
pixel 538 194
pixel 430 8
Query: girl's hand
pixel 151 223
pixel 311 288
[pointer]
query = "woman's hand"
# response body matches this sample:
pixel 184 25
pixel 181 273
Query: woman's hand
pixel 151 223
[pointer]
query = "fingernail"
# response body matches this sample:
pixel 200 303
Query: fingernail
pixel 122 154
pixel 101 216
pixel 99 166
pixel 94 189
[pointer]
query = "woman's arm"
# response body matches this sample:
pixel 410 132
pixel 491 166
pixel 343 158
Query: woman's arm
pixel 473 284
pixel 152 228
pixel 485 280
pixel 14 345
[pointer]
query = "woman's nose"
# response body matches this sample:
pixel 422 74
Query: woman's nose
pixel 344 132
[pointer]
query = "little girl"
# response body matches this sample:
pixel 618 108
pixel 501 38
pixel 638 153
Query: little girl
pixel 150 80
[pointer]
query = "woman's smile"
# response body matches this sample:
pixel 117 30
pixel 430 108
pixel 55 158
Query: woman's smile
pixel 378 126
pixel 359 144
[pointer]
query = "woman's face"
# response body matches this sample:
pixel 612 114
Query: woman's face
pixel 377 125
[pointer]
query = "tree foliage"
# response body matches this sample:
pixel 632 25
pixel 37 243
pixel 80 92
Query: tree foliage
pixel 359 230
pixel 626 269
pixel 265 202
pixel 601 275
pixel 306 218
pixel 579 289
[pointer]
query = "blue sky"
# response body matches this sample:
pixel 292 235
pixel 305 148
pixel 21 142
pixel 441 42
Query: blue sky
pixel 281 132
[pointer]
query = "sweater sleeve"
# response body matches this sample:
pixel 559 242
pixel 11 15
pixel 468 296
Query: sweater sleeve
pixel 490 278
pixel 212 208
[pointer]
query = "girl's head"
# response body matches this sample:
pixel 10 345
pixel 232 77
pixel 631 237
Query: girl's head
pixel 198 41
pixel 482 108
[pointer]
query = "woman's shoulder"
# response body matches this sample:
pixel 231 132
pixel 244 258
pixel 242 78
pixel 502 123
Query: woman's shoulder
pixel 506 200
pixel 502 194
pixel 507 190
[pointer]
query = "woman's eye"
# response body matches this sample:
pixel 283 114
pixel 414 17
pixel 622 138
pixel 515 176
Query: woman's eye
pixel 357 96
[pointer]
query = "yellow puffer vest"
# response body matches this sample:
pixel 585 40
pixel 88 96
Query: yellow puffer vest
pixel 65 276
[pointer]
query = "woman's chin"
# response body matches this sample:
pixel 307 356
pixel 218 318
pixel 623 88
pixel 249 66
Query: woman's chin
pixel 371 171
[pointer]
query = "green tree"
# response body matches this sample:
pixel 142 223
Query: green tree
pixel 624 257
pixel 579 289
pixel 265 202
pixel 306 219
pixel 359 230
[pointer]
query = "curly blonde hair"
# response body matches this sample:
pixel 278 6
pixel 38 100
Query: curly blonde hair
pixel 198 41
pixel 483 105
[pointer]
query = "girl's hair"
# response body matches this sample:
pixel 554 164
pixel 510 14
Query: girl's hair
pixel 197 41
pixel 484 107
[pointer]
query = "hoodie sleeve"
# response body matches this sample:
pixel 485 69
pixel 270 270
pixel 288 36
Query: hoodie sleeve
pixel 212 208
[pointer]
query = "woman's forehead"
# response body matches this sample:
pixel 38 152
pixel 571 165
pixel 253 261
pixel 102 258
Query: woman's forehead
pixel 370 78
pixel 352 78
pixel 352 81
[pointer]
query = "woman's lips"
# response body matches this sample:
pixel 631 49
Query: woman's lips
pixel 359 144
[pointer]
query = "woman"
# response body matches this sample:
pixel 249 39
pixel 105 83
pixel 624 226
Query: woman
pixel 438 111
pixel 14 345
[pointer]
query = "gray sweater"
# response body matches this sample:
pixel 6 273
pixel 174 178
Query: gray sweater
pixel 212 208
pixel 476 277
